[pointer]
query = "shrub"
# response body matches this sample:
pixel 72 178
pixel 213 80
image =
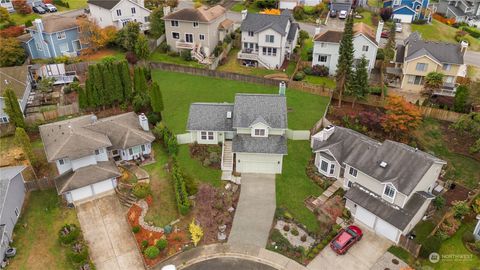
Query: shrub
pixel 320 70
pixel 386 13
pixel 299 76
pixel 439 202
pixel 161 244
pixel 151 252
pixel 181 195
pixel 432 244
pixel 294 231
pixel 227 39
pixel 12 31
pixel 144 243
pixel 460 209
pixel 468 237
pixel 172 53
pixel 472 31
pixel 380 54
pixel 68 234
pixel 131 58
pixel 141 190
pixel 307 71
pixel 190 184
pixel 286 228
pixel 419 21
pixel 460 35
pixel 164 47
pixel 186 55
pixel 303 238
pixel 302 36
pixel 28 23
pixel 136 229
pixel 325 242
pixel 218 50
pixel 265 4
pixel 78 253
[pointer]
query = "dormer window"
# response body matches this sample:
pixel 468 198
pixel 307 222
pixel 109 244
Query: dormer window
pixel 260 132
pixel 389 192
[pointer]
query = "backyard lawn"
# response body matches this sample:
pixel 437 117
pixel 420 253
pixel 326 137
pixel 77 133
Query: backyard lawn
pixel 37 230
pixel 306 48
pixel 327 81
pixel 21 19
pixel 195 169
pixel 459 167
pixel 442 32
pixel 157 56
pixel 233 65
pixel 107 52
pixel 180 90
pixel 293 186
pixel 375 3
pixel 367 18
pixel 238 7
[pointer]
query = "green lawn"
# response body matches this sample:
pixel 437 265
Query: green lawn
pixel 454 246
pixel 307 45
pixel 180 90
pixel 6 143
pixel 375 3
pixel 461 168
pixel 327 81
pixel 367 18
pixel 293 186
pixel 195 169
pixel 423 230
pixel 21 19
pixel 402 254
pixel 238 7
pixel 37 230
pixel 291 68
pixel 442 32
pixel 164 209
pixel 165 58
pixel 233 65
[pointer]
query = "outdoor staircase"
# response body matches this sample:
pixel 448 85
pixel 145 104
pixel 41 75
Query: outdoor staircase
pixel 227 160
pixel 127 199
pixel 328 193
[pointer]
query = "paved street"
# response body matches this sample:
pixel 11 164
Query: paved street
pixel 255 210
pixel 230 264
pixel 472 58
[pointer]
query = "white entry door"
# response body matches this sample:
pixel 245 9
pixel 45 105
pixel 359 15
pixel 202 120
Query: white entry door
pixel 365 217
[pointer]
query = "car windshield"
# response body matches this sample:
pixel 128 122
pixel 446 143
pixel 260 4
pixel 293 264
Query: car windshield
pixel 351 232
pixel 342 239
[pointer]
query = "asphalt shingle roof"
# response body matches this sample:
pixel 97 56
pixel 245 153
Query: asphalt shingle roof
pixel 396 216
pixel 249 107
pixel 329 36
pixel 56 23
pixel 201 14
pixel 210 116
pixel 7 174
pixel 442 52
pixel 273 144
pixel 108 4
pixel 293 31
pixel 15 78
pixel 258 22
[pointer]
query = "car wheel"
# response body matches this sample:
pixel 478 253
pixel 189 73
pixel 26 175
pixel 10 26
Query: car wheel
pixel 360 238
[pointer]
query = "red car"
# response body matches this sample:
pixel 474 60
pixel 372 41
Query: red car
pixel 345 239
pixel 385 34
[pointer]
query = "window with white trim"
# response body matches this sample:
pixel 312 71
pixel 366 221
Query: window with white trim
pixel 323 45
pixel 332 168
pixel 417 80
pixel 4 119
pixel 269 51
pixel 195 24
pixel 389 191
pixel 207 135
pixel 175 35
pixel 174 23
pixel 130 151
pixel 270 38
pixel 250 33
pixel 61 161
pixel 353 172
pixel 324 166
pixel 97 152
pixel 364 48
pixel 119 12
pixel 61 35
pixel 322 58
pixel 421 67
pixel 133 10
pixel 146 19
pixel 201 37
pixel 143 148
pixel 39 46
pixel 446 67
pixel 259 132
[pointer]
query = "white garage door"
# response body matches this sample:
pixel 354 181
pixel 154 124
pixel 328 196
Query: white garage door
pixel 103 186
pixel 287 5
pixel 403 18
pixel 385 229
pixel 81 193
pixel 365 217
pixel 259 167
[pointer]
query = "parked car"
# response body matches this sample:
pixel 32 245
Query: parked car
pixel 345 239
pixel 39 10
pixel 40 4
pixel 398 27
pixel 385 34
pixel 333 13
pixel 342 14
pixel 51 8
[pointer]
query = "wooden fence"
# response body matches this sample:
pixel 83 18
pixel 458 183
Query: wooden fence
pixel 40 184
pixel 440 114
pixel 409 245
pixel 53 114
pixel 79 68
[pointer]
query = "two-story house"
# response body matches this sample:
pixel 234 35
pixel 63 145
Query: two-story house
pixel 267 40
pixel 119 12
pixel 20 81
pixel 12 195
pixel 252 131
pixel 52 36
pixel 327 45
pixel 415 58
pixel 407 11
pixel 389 185
pixel 197 29
pixel 8 5
pixel 84 150
pixel 461 10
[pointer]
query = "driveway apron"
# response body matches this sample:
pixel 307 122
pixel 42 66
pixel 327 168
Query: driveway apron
pixel 255 210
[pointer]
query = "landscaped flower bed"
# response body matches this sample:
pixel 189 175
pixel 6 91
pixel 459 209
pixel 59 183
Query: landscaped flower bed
pixel 209 155
pixel 70 237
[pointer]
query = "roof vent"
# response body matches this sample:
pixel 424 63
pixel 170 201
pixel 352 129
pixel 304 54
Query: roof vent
pixel 383 164
pixel 229 115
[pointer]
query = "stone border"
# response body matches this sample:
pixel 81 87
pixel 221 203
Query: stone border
pixel 141 219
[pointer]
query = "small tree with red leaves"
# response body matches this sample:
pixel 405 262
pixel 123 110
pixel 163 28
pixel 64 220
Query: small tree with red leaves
pixel 12 31
pixel 401 118
pixel 22 7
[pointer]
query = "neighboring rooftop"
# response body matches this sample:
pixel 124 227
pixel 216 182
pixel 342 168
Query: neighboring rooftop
pixel 366 30
pixel 7 174
pixel 210 116
pixel 15 78
pixel 255 22
pixel 443 52
pixel 329 36
pixel 225 24
pixel 294 27
pixel 108 4
pixel 265 145
pixel 55 23
pixel 201 14
pixel 249 108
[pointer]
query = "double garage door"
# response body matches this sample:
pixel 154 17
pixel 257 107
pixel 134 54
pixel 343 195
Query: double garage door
pixel 91 190
pixel 403 18
pixel 257 163
pixel 376 224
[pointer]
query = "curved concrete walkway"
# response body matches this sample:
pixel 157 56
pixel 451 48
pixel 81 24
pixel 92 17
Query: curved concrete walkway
pixel 243 252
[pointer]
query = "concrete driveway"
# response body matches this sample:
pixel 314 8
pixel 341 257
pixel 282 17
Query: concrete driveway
pixel 255 210
pixel 108 234
pixel 361 256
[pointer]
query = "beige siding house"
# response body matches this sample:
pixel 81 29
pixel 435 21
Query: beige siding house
pixel 198 30
pixel 389 185
pixel 416 58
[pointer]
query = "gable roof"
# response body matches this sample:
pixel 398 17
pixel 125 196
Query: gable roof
pixel 56 23
pixel 225 24
pixel 442 52
pixel 294 27
pixel 329 36
pixel 404 7
pixel 255 22
pixel 201 14
pixel 15 78
pixel 85 176
pixel 366 30
pixel 7 174
pixel 249 107
pixel 108 4
pixel 210 116
pixel 81 136
pixel 406 166
pixel 245 143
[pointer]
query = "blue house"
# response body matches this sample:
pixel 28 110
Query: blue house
pixel 52 36
pixel 406 11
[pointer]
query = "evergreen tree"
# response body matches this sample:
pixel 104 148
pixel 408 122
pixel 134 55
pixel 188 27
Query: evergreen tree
pixel 359 88
pixel 108 85
pixel 82 97
pixel 117 81
pixel 345 61
pixel 126 80
pixel 128 36
pixel 98 89
pixel 12 108
pixel 89 88
pixel 141 47
pixel 461 99
pixel 157 25
pixel 139 81
pixel 22 140
pixel 389 53
pixel 156 100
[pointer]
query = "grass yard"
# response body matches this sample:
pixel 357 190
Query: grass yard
pixel 180 90
pixel 423 230
pixel 238 7
pixel 375 3
pixel 195 169
pixel 164 209
pixel 442 32
pixel 233 65
pixel 461 168
pixel 293 185
pixel 37 230
pixel 291 68
pixel 165 58
pixel 402 254
pixel 327 81
pixel 307 46
pixel 6 143
pixel 367 17
pixel 21 19
pixel 107 52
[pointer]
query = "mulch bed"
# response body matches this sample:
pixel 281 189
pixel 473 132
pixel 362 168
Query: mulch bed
pixel 459 193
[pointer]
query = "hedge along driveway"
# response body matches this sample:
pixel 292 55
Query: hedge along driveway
pixel 179 90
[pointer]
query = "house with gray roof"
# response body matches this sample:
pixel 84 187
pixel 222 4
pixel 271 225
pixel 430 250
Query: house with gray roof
pixel 12 195
pixel 20 81
pixel 389 184
pixel 461 10
pixel 415 58
pixel 252 131
pixel 84 150
pixel 267 40
pixel 118 13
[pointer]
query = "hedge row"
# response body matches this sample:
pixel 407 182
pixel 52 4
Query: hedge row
pixel 472 31
pixel 181 194
pixel 167 137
